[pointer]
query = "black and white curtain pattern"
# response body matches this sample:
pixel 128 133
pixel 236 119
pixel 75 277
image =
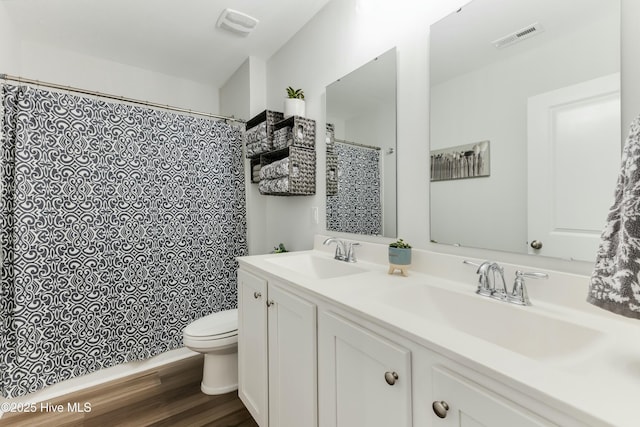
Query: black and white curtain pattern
pixel 356 207
pixel 120 226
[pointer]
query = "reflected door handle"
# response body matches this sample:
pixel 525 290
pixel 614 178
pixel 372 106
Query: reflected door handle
pixel 536 244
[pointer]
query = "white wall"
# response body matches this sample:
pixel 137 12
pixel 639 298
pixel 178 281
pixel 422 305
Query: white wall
pixel 343 36
pixel 235 94
pixel 630 63
pixel 55 65
pixel 339 40
pixel 244 96
pixel 9 54
pixel 494 108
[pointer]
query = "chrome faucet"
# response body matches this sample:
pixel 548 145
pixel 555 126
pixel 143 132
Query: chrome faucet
pixel 487 284
pixel 498 292
pixel 344 251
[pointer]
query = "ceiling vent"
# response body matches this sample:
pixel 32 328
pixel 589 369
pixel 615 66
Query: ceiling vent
pixel 524 33
pixel 236 22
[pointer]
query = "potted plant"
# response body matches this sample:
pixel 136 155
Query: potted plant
pixel 294 103
pixel 399 256
pixel 279 249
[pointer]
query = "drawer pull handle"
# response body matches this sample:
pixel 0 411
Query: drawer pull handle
pixel 440 408
pixel 390 377
pixel 270 303
pixel 257 295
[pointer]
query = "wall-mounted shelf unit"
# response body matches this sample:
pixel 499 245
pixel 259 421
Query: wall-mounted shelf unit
pixel 300 175
pixel 271 139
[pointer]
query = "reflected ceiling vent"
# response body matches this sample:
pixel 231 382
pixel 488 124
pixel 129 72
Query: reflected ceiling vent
pixel 236 22
pixel 513 38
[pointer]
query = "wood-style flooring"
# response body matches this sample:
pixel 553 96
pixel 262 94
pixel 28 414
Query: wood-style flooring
pixel 166 396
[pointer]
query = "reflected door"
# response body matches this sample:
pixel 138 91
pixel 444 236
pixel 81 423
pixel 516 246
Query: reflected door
pixel 574 146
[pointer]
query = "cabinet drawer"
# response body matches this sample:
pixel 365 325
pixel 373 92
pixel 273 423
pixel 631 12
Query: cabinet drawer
pixel 471 405
pixel 364 379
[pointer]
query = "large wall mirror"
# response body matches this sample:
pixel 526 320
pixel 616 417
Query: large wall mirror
pixel 525 125
pixel 361 149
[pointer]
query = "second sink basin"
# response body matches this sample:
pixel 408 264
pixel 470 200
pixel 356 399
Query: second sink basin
pixel 520 329
pixel 314 266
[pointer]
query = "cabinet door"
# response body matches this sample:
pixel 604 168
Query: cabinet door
pixel 252 345
pixel 470 405
pixel 292 360
pixel 364 379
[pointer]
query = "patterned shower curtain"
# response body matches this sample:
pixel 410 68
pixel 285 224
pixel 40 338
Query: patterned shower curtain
pixel 120 226
pixel 356 207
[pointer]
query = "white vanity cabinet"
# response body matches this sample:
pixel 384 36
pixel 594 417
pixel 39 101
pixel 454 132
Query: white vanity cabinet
pixel 364 379
pixel 277 354
pixel 306 359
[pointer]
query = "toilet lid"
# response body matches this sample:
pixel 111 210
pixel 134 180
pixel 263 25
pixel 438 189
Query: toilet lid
pixel 219 323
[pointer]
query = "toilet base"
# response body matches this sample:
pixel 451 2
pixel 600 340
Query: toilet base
pixel 219 390
pixel 220 372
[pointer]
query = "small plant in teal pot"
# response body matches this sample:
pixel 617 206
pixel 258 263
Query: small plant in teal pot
pixel 399 257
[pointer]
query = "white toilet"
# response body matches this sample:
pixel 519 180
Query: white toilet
pixel 216 336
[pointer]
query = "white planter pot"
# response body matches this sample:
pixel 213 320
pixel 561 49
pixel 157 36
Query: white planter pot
pixel 293 107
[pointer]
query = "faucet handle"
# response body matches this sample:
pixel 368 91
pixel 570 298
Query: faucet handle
pixel 351 253
pixel 519 293
pixel 531 274
pixel 475 264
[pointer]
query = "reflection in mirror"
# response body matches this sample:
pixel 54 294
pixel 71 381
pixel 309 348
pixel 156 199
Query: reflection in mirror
pixel 539 80
pixel 361 146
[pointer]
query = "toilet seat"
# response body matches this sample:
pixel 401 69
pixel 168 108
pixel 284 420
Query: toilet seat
pixel 211 337
pixel 215 331
pixel 219 325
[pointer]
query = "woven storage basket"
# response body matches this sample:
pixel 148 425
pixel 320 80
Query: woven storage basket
pixel 270 118
pixel 282 138
pixel 303 133
pixel 302 170
pixel 330 137
pixel 332 174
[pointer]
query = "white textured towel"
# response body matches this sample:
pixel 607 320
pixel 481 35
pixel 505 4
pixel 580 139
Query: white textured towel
pixel 615 285
pixel 277 169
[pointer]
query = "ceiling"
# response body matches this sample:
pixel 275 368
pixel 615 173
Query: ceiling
pixel 461 42
pixel 174 37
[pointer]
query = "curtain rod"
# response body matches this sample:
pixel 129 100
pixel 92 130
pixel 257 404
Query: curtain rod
pixel 116 97
pixel 357 144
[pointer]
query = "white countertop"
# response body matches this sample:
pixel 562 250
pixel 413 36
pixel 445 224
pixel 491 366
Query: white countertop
pixel 599 386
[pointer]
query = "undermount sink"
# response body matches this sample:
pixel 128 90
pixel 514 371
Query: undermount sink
pixel 516 328
pixel 315 266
